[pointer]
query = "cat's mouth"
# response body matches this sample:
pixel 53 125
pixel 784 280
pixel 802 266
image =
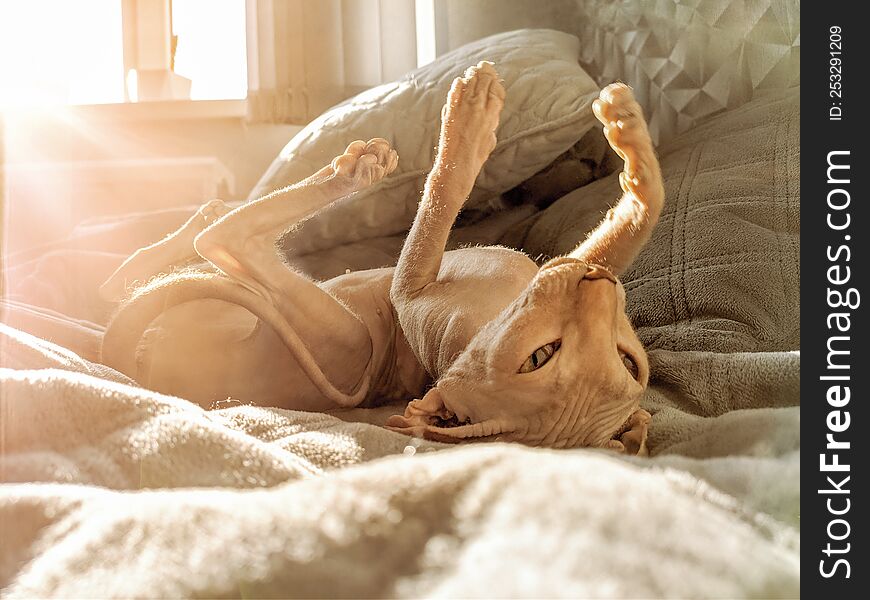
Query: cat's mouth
pixel 453 421
pixel 622 428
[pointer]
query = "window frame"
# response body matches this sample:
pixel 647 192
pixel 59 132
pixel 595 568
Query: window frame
pixel 147 41
pixel 147 45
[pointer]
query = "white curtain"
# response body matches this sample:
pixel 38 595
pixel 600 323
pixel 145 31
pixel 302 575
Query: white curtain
pixel 306 55
pixel 4 223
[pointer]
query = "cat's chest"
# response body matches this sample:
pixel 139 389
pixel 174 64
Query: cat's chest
pixel 474 286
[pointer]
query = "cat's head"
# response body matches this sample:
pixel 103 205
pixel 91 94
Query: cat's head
pixel 561 366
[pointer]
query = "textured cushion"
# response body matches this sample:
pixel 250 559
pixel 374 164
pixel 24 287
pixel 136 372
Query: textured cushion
pixel 722 270
pixel 548 108
pixel 688 59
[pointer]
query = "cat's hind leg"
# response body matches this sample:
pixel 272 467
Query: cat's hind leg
pixel 320 331
pixel 171 252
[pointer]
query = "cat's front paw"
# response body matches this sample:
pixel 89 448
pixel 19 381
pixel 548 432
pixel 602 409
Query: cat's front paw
pixel 469 120
pixel 627 133
pixel 363 164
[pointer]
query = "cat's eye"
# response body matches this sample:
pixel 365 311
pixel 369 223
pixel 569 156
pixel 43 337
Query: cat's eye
pixel 629 364
pixel 540 357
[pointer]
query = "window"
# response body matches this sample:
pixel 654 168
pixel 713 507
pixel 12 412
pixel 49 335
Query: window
pixel 211 47
pixel 110 51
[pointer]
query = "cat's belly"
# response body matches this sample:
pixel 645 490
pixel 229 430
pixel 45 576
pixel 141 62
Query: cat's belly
pixel 474 285
pixel 253 366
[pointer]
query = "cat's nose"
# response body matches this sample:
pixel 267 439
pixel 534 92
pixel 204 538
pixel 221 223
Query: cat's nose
pixel 599 272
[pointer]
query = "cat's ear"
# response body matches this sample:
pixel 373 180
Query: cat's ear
pixel 568 266
pixel 422 416
pixel 634 439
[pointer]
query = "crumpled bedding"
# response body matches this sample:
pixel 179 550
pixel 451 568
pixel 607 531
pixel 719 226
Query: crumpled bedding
pixel 111 490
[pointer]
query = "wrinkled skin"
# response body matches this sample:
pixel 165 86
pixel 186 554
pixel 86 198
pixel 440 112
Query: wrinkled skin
pixel 580 397
pixel 483 343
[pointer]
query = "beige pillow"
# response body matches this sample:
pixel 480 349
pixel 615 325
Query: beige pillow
pixel 548 108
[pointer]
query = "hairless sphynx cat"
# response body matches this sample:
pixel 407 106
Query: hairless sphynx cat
pixel 480 341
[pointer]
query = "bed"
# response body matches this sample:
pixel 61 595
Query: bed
pixel 110 490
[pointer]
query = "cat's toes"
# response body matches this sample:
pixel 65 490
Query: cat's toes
pixel 627 133
pixel 356 148
pixel 213 210
pixel 365 163
pixel 385 154
pixel 470 117
pixel 616 102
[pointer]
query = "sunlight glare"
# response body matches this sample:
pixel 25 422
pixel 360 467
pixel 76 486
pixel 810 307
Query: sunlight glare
pixel 133 85
pixel 211 47
pixel 60 52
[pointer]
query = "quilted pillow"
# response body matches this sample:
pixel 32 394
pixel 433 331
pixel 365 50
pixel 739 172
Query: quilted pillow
pixel 721 272
pixel 547 110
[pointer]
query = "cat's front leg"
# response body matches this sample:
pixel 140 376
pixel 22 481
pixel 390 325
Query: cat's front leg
pixel 616 242
pixel 468 123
